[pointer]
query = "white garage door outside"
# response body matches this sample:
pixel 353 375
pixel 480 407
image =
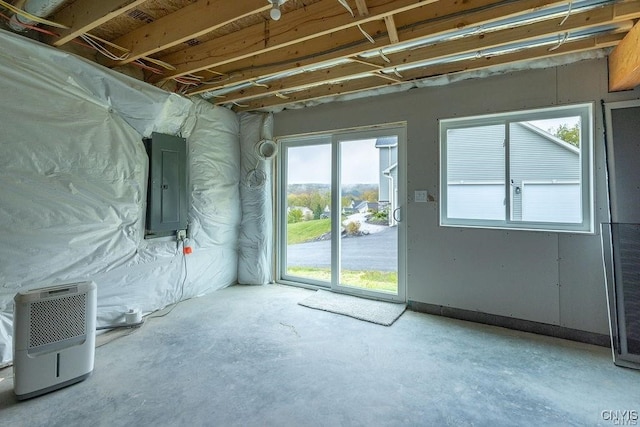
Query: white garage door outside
pixel 476 201
pixel 551 202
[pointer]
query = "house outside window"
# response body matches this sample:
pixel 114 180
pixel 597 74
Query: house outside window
pixel 523 170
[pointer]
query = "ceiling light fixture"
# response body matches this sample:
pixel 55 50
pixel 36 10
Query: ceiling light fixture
pixel 275 9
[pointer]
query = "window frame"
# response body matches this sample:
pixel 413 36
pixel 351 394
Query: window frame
pixel 585 111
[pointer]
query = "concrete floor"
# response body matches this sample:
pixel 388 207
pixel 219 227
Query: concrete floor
pixel 250 356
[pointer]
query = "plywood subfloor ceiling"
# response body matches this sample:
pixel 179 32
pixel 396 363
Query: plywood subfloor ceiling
pixel 233 54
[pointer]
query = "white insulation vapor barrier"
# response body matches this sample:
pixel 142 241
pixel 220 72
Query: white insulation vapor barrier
pixel 73 178
pixel 256 236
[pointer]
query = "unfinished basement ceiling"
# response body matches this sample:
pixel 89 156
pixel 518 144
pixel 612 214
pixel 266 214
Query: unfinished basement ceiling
pixel 232 53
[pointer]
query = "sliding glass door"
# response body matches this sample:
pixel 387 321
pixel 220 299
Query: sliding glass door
pixel 340 222
pixel 305 214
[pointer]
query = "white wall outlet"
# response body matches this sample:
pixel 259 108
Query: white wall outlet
pixel 420 196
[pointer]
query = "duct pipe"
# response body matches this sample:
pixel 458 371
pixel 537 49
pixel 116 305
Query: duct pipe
pixel 40 8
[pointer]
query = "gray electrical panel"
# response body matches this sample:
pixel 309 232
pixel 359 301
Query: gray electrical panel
pixel 167 189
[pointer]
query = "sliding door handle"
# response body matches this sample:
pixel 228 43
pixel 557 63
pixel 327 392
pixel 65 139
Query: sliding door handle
pixel 396 214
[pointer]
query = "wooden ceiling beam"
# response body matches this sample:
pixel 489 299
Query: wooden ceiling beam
pixel 323 18
pixel 392 31
pixel 358 85
pixel 299 81
pixel 624 62
pixel 83 16
pixel 440 51
pixel 591 43
pixel 190 22
pixel 495 39
pixel 435 21
pixel 363 9
pixel 341 88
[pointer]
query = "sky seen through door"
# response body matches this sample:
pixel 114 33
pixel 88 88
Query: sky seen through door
pixel 362 154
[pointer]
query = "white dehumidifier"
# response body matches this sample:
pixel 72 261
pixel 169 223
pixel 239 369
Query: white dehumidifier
pixel 53 337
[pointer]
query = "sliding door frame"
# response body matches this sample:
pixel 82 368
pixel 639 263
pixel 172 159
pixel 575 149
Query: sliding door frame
pixel 334 137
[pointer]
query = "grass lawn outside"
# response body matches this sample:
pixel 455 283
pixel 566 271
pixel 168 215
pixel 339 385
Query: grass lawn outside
pixel 305 231
pixel 386 281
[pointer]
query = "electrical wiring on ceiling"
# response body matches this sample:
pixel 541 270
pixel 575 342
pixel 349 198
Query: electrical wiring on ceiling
pixel 226 77
pixel 162 64
pixel 561 40
pixel 138 63
pixel 566 11
pixel 346 6
pixel 367 35
pixel 188 80
pixel 95 42
pixel 30 27
pixel 90 41
pixel 569 10
pixel 353 15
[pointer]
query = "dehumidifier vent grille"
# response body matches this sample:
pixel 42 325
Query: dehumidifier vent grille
pixel 57 320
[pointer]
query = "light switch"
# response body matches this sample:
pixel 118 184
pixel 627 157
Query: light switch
pixel 420 196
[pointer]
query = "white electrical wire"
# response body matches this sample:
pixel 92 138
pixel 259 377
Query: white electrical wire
pixel 366 35
pixel 184 280
pixel 346 6
pixel 568 13
pixel 256 84
pixel 162 64
pixel 561 41
pixel 97 46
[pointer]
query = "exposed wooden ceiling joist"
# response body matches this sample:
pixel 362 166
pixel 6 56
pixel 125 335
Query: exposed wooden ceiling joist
pixel 482 17
pixel 314 79
pixel 392 31
pixel 472 44
pixel 363 9
pixel 624 62
pixel 83 16
pixel 606 15
pixel 370 83
pixel 188 23
pixel 319 19
pixel 435 19
pixel 329 47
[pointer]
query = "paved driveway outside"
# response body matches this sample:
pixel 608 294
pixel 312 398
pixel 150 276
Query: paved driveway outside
pixel 377 252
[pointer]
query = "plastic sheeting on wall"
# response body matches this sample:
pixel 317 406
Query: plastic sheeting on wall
pixel 256 236
pixel 214 215
pixel 142 106
pixel 73 174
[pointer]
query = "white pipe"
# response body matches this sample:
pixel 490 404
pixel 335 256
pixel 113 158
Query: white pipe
pixel 40 8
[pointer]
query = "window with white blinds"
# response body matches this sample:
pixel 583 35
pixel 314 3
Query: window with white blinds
pixel 523 170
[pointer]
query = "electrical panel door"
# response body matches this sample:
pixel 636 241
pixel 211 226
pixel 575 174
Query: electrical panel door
pixel 167 191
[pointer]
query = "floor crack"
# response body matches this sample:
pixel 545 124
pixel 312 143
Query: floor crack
pixel 293 329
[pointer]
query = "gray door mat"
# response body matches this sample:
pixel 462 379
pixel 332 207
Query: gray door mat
pixel 380 312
